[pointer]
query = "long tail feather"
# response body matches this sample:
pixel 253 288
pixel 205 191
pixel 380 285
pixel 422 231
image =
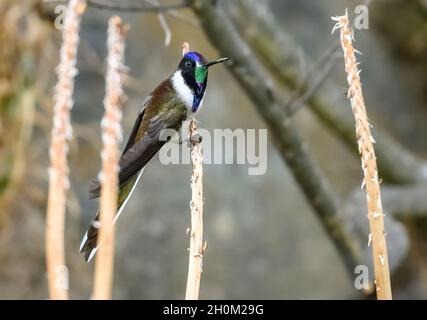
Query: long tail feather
pixel 89 244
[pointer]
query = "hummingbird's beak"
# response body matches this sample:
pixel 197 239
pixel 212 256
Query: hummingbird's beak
pixel 207 65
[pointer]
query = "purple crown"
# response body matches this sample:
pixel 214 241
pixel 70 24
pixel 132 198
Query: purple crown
pixel 196 57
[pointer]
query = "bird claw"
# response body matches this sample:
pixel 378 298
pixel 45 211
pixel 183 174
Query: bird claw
pixel 196 138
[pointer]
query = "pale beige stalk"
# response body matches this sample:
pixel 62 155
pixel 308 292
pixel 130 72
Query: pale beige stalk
pixel 57 275
pixel 369 165
pixel 196 250
pixel 111 138
pixel 195 262
pixel 185 48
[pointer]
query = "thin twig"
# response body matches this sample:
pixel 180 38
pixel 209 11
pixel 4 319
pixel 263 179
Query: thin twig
pixel 111 137
pixel 314 80
pixel 152 6
pixel 365 143
pixel 185 48
pixel 58 171
pixel 165 26
pixel 176 14
pixel 195 261
pixel 145 6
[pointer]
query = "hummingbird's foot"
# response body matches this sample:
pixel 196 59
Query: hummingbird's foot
pixel 197 138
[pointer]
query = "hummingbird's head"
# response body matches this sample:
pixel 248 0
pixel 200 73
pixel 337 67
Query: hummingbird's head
pixel 191 78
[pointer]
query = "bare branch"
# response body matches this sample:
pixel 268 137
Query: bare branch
pixel 151 6
pixel 313 80
pixel 145 6
pixel 249 73
pixel 176 14
pixel 281 54
pixel 165 26
pixel 407 201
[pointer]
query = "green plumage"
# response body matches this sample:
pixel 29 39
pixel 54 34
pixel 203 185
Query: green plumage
pixel 200 73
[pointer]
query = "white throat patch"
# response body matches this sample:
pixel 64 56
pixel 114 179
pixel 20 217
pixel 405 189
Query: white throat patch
pixel 184 92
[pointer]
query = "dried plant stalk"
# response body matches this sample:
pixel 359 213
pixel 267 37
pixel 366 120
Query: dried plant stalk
pixel 111 137
pixel 195 260
pixel 185 48
pixel 197 248
pixel 369 165
pixel 58 171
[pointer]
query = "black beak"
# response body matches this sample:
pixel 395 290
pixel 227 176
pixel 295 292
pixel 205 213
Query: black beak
pixel 207 65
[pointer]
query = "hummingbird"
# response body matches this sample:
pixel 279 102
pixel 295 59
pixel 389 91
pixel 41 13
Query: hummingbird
pixel 168 105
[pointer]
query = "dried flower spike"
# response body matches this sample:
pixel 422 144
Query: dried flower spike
pixel 185 48
pixel 365 143
pixel 111 138
pixel 61 133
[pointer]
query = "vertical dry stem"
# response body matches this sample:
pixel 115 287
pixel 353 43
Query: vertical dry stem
pixel 58 171
pixel 111 137
pixel 185 48
pixel 195 262
pixel 369 165
pixel 195 259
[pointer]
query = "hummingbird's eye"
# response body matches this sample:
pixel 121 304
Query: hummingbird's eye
pixel 188 63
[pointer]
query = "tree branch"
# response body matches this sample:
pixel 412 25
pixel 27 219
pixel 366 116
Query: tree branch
pixel 248 72
pixel 144 6
pixel 281 55
pixel 313 81
pixel 402 202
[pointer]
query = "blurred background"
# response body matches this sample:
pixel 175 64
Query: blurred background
pixel 265 241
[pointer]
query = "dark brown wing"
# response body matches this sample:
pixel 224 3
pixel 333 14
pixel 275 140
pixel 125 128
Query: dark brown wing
pixel 94 185
pixel 142 151
pixel 163 111
pixel 133 135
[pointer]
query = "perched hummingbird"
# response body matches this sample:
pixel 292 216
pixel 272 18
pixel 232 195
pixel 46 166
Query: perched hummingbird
pixel 165 108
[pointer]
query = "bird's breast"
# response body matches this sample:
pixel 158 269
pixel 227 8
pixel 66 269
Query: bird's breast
pixel 183 91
